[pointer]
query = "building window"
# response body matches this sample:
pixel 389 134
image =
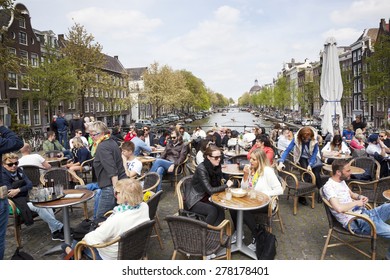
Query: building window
pixel 24 57
pixel 22 22
pixel 25 112
pixel 13 104
pixel 12 80
pixel 34 60
pixel 36 112
pixel 92 107
pixel 98 107
pixel 24 81
pixel 12 51
pixel 86 107
pixel 23 38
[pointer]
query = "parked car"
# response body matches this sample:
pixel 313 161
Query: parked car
pixel 141 123
pixel 307 121
pixel 173 117
pixel 188 120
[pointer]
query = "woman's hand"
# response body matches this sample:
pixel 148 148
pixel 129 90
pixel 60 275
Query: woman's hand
pixel 247 169
pixel 229 183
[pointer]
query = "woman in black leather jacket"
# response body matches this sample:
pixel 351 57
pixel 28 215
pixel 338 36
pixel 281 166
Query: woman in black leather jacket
pixel 205 182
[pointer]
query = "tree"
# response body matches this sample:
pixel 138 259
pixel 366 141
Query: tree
pixel 199 97
pixel 377 77
pixel 53 81
pixel 282 96
pixel 85 55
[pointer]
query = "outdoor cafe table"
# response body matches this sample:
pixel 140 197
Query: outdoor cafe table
pixel 64 203
pixel 56 161
pixel 233 153
pixel 338 156
pixel 354 169
pixel 232 169
pixel 146 159
pixel 386 194
pixel 241 204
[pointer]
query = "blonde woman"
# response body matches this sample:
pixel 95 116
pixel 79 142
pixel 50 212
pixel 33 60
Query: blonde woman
pixel 261 177
pixel 80 153
pixel 130 212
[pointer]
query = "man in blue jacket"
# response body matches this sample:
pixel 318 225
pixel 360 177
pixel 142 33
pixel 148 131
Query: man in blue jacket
pixel 62 128
pixel 9 142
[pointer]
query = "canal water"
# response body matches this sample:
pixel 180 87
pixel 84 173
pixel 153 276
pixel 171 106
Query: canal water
pixel 234 119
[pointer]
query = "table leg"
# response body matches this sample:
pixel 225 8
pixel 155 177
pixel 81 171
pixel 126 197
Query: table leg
pixel 67 235
pixel 239 246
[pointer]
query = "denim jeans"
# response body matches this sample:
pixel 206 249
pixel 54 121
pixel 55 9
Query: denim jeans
pixel 107 201
pixel 98 192
pixel 63 138
pixel 47 215
pixel 160 166
pixel 4 209
pixel 379 215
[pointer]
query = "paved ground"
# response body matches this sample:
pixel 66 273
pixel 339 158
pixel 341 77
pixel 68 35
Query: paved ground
pixel 303 239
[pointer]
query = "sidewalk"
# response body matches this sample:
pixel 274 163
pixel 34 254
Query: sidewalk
pixel 303 239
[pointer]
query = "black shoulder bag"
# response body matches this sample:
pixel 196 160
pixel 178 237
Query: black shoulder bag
pixel 265 244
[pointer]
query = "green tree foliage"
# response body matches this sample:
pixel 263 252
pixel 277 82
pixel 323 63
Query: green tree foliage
pixel 198 96
pixel 53 81
pixel 282 96
pixel 85 54
pixel 377 77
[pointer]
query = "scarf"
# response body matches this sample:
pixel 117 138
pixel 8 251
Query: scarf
pixel 95 144
pixel 215 173
pixel 124 207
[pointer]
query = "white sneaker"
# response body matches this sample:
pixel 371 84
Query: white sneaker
pixel 234 237
pixel 210 257
pixel 252 246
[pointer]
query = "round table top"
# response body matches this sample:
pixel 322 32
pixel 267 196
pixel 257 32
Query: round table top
pixel 232 169
pixel 87 194
pixel 386 194
pixel 158 150
pixel 233 153
pixel 54 159
pixel 354 170
pixel 338 156
pixel 241 203
pixel 146 159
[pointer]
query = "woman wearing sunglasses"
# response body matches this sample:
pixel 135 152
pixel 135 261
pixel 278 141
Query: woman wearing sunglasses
pixel 206 181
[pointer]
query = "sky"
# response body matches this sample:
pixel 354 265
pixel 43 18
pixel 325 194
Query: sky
pixel 227 44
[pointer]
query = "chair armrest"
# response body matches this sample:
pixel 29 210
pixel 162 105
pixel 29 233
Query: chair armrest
pixel 13 207
pixel 363 217
pixel 222 227
pixel 81 245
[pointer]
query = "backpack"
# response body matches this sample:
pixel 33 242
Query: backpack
pixel 265 244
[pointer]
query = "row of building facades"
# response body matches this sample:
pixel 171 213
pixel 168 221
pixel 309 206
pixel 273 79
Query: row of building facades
pixel 28 44
pixel 352 64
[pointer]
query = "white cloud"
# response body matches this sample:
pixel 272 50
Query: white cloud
pixel 362 10
pixel 119 23
pixel 344 36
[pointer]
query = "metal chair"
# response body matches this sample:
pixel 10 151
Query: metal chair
pixel 34 173
pixel 132 244
pixel 196 238
pixel 336 229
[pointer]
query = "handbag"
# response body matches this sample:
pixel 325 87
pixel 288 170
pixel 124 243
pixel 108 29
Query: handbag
pixel 192 215
pixel 265 244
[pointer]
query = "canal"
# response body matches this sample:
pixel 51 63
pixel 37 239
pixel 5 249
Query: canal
pixel 234 119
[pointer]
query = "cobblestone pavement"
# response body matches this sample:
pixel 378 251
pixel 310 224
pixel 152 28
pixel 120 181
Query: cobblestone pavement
pixel 303 239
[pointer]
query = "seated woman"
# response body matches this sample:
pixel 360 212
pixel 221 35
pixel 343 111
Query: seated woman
pixel 263 142
pixel 80 154
pixel 130 212
pixel 203 146
pixel 336 147
pixel 262 177
pixel 206 181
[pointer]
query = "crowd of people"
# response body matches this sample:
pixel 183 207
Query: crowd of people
pixel 115 166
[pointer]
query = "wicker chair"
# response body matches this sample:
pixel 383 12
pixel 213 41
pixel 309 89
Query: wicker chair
pixel 179 171
pixel 181 189
pixel 367 163
pixel 373 190
pixel 238 158
pixel 33 172
pixel 150 181
pixel 56 153
pixel 132 244
pixel 336 230
pixel 61 175
pixel 197 238
pixel 300 182
pixel 87 170
pixel 153 205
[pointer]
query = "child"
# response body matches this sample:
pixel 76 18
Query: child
pixel 133 166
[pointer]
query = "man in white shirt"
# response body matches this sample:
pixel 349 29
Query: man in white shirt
pixel 79 133
pixel 343 199
pixel 283 140
pixel 376 145
pixel 32 159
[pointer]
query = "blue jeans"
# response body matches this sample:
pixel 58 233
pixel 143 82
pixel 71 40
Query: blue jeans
pixel 98 192
pixel 63 138
pixel 379 215
pixel 107 201
pixel 47 215
pixel 160 166
pixel 4 209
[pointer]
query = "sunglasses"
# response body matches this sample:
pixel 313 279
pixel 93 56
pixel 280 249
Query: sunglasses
pixel 16 163
pixel 173 138
pixel 94 135
pixel 216 157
